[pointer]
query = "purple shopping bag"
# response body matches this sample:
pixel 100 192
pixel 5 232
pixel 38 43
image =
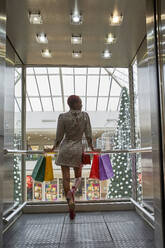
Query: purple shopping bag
pixel 105 167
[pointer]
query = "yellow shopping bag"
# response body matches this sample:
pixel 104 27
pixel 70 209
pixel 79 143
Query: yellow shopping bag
pixel 48 169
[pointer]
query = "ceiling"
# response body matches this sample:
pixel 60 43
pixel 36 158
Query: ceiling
pixel 56 24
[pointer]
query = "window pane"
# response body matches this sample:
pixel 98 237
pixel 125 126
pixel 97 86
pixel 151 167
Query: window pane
pixel 111 70
pixel 66 105
pixel 55 85
pixel 80 85
pixel 67 70
pixel 93 70
pixel 58 103
pixel 36 105
pixel 17 104
pixel 113 103
pixel 102 103
pixel 104 72
pixel 29 70
pixel 80 71
pixel 47 103
pixel 28 108
pixel 68 85
pixel 40 70
pixel 92 85
pixel 53 70
pixel 104 86
pixel 18 89
pixel 91 104
pixel 31 86
pixel 115 89
pixel 43 85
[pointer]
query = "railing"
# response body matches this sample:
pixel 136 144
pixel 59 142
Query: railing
pixel 138 150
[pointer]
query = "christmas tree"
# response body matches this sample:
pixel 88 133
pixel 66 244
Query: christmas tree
pixel 17 171
pixel 120 184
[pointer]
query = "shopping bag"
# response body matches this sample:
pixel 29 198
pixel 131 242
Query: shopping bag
pixel 49 169
pixel 94 173
pixel 105 167
pixel 39 169
pixel 86 159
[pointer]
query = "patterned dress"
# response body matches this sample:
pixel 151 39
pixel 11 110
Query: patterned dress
pixel 70 128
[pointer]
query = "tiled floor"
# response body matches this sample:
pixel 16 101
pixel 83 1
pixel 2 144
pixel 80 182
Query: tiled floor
pixel 89 230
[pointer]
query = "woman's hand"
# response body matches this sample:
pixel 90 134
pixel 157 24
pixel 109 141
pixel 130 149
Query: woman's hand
pixel 49 149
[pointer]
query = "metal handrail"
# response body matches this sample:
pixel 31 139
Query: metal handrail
pixel 28 152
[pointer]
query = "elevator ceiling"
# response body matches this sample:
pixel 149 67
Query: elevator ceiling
pixel 95 26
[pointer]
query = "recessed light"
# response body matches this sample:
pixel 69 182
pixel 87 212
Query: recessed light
pixel 110 38
pixel 41 38
pixel 106 54
pixel 115 19
pixel 46 53
pixel 76 39
pixel 35 18
pixel 77 54
pixel 76 19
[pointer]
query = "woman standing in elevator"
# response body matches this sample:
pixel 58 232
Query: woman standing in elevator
pixel 70 129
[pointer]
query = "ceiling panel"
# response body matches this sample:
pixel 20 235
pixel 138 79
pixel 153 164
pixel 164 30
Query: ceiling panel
pixel 56 24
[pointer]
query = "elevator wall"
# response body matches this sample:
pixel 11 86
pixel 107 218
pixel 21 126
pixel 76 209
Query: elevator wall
pixel 2 83
pixel 145 124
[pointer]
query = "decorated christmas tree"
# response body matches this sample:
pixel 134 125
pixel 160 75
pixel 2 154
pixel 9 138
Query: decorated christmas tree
pixel 121 184
pixel 17 171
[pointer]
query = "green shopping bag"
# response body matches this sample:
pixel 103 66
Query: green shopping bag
pixel 38 173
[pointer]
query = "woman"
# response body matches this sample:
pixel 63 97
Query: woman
pixel 70 129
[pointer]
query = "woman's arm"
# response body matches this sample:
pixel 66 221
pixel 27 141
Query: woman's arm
pixel 88 132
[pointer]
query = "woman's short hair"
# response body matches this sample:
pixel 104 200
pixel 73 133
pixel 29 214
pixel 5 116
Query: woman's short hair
pixel 72 100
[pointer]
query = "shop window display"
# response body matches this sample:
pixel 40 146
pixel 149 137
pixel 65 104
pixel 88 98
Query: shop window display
pixel 51 191
pixel 29 185
pixel 37 191
pixel 92 190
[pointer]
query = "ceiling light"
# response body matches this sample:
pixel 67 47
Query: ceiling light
pixel 35 18
pixel 76 19
pixel 115 19
pixel 76 39
pixel 46 53
pixel 42 38
pixel 110 38
pixel 106 54
pixel 77 54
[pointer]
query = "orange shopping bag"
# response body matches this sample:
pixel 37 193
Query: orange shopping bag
pixel 48 169
pixel 94 173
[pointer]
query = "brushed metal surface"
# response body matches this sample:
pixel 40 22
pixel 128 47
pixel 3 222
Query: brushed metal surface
pixel 151 15
pixel 145 124
pixel 8 180
pixel 56 24
pixel 2 82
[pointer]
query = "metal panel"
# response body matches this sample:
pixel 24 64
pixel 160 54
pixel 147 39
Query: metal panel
pixel 145 125
pixel 8 180
pixel 155 121
pixel 2 80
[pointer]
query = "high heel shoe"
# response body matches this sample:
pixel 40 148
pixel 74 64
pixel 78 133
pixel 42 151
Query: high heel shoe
pixel 71 205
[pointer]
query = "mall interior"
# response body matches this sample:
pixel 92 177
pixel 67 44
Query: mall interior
pixel 111 53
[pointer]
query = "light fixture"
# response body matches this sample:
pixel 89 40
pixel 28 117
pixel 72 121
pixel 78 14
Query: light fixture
pixel 46 53
pixel 110 38
pixel 76 18
pixel 106 54
pixel 76 39
pixel 116 19
pixel 35 18
pixel 41 38
pixel 77 54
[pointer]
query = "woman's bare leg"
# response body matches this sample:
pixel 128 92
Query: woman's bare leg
pixel 77 182
pixel 66 179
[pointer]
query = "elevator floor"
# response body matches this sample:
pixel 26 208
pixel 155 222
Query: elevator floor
pixel 115 229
